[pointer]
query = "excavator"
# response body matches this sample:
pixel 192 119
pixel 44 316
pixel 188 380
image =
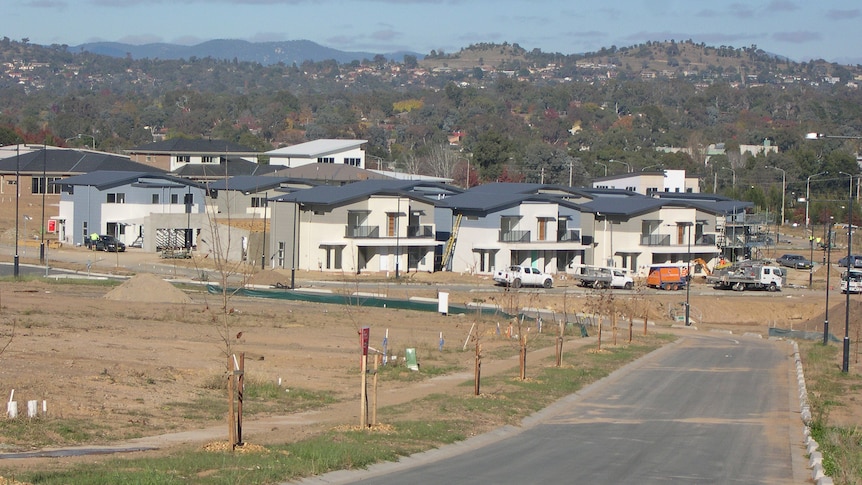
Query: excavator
pixel 722 263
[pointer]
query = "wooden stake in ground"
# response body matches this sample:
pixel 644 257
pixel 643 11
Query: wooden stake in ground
pixel 477 369
pixel 364 336
pixel 239 391
pixel 231 418
pixel 560 344
pixel 523 355
pixel 377 358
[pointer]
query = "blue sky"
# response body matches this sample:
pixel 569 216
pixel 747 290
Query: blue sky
pixel 800 30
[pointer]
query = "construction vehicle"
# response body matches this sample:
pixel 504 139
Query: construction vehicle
pixel 749 275
pixel 851 281
pixel 667 276
pixel 700 263
pixel 602 277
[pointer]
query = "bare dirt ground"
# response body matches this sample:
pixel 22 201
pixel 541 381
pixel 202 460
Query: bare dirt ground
pixel 123 356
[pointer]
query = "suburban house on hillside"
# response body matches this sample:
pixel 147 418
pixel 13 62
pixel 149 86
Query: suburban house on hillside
pixel 153 210
pixel 374 225
pixel 327 151
pixel 649 183
pixel 225 167
pixel 329 174
pixel 172 154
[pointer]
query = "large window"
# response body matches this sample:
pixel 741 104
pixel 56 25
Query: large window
pixel 207 159
pixel 258 201
pixel 42 185
pixel 184 158
pixel 155 198
pixel 326 160
pixel 355 162
pixel 116 198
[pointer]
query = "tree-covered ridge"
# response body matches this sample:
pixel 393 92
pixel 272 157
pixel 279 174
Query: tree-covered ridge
pixel 526 116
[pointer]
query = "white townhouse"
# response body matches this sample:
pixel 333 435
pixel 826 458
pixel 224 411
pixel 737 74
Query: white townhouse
pixel 328 151
pixel 177 153
pixel 151 210
pixel 373 225
pixel 497 225
pixel 649 183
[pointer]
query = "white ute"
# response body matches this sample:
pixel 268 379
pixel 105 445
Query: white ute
pixel 518 276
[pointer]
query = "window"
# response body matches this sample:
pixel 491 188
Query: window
pixel 39 185
pixel 207 159
pixel 325 159
pixel 183 158
pixel 354 162
pixel 175 198
pixel 117 198
pixel 155 198
pixel 258 201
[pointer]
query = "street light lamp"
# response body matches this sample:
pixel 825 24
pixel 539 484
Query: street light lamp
pixel 783 190
pixel 732 173
pixel 628 167
pixel 651 166
pixel 603 165
pixel 79 135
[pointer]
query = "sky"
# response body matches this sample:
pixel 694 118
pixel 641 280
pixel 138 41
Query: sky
pixel 799 30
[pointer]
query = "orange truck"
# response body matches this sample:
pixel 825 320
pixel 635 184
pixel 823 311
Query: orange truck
pixel 666 277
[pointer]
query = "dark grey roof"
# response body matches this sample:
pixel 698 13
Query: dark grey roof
pixel 257 183
pixel 335 195
pixel 186 145
pixel 66 161
pixel 330 173
pixel 620 206
pixel 484 201
pixel 234 166
pixel 105 179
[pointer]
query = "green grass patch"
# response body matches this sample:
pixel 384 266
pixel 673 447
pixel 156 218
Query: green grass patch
pixel 830 389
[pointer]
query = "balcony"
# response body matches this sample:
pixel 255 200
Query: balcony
pixel 514 236
pixel 362 231
pixel 569 235
pixel 420 231
pixel 655 240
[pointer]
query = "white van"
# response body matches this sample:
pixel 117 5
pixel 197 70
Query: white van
pixel 854 281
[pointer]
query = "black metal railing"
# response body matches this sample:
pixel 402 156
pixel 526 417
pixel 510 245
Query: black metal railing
pixel 362 231
pixel 514 236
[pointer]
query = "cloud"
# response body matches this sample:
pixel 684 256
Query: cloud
pixel 386 35
pixel 843 14
pixel 140 39
pixel 741 10
pixel 799 37
pixel 46 4
pixel 778 6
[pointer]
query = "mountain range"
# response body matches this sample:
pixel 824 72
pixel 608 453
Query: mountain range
pixel 265 53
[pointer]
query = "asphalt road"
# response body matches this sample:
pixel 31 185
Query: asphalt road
pixel 708 409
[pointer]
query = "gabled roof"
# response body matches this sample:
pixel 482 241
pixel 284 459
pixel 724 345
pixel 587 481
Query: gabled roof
pixel 316 148
pixel 337 195
pixel 105 179
pixel 329 173
pixel 256 183
pixel 483 201
pixel 68 161
pixel 232 167
pixel 192 146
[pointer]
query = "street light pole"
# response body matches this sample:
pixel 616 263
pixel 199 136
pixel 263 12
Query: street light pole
pixel 783 190
pixel 845 363
pixel 828 266
pixel 16 268
pixel 628 166
pixel 688 279
pixel 603 165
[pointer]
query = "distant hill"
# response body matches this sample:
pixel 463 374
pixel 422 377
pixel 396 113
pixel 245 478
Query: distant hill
pixel 266 53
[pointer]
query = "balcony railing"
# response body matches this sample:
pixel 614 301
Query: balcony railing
pixel 362 231
pixel 655 240
pixel 514 236
pixel 569 235
pixel 420 231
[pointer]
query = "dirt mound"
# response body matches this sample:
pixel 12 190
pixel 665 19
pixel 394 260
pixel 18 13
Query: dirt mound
pixel 270 277
pixel 146 287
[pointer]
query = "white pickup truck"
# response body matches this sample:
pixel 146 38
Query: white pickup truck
pixel 518 276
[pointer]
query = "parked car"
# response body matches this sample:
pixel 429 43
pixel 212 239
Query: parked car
pixel 518 276
pixel 110 244
pixel 855 258
pixel 794 261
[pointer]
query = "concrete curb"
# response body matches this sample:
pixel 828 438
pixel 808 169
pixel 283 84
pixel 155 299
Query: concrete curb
pixel 815 458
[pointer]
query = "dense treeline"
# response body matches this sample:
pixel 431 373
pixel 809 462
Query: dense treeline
pixel 516 126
